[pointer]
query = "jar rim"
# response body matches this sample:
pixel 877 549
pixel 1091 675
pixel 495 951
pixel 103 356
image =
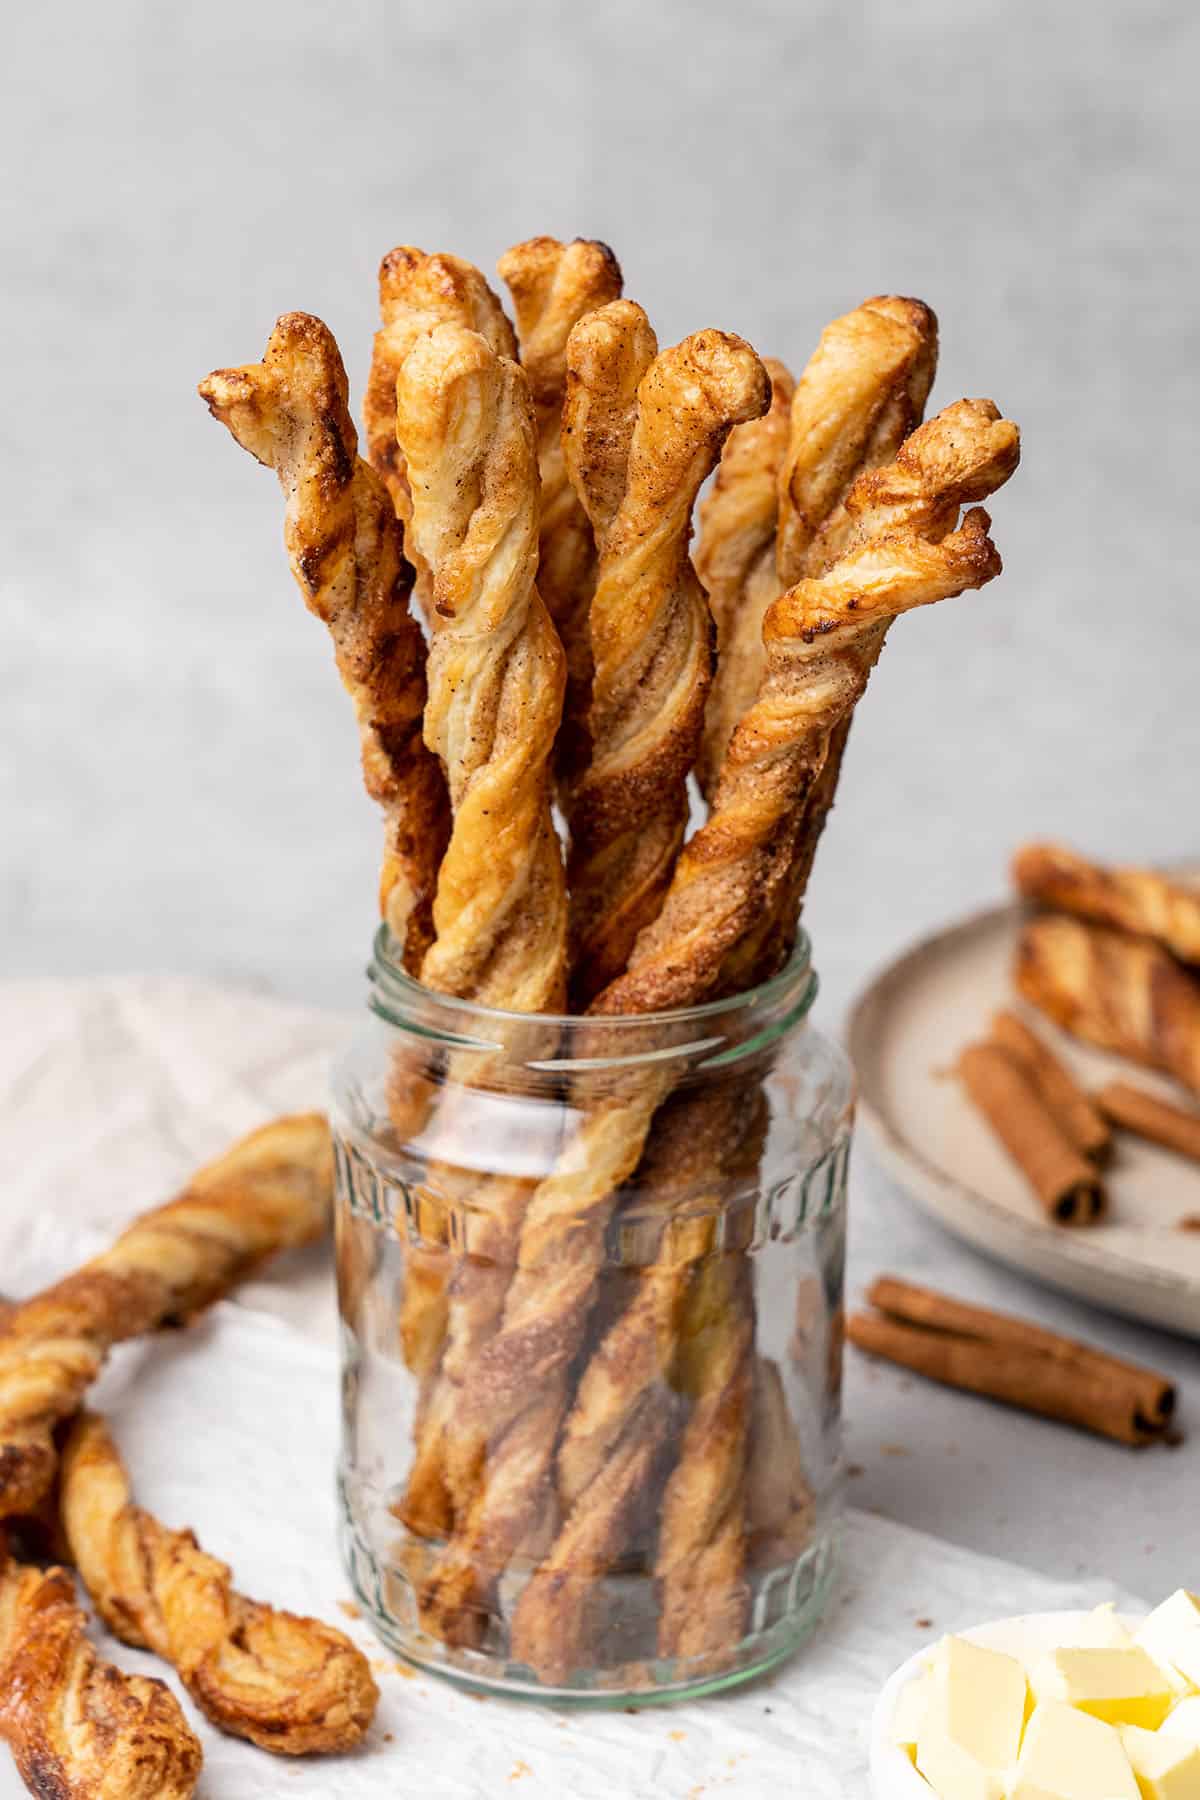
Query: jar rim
pixel 387 968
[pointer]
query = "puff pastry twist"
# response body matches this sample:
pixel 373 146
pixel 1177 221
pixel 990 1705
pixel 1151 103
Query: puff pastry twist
pixel 419 290
pixel 291 412
pixel 272 1191
pixel 554 285
pixel 1138 900
pixel 650 628
pixel 465 426
pixel 1124 993
pixel 288 1684
pixel 79 1728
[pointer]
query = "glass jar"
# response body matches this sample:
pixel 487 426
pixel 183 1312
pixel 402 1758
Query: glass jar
pixel 590 1276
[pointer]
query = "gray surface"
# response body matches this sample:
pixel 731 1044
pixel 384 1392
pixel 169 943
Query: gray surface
pixel 177 767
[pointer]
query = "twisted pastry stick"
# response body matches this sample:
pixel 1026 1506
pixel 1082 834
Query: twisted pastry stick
pixel 822 638
pixel 272 1191
pixel 623 1422
pixel 735 561
pixel 78 1728
pixel 1123 993
pixel 553 286
pixel 290 412
pixel 418 291
pixel 651 641
pixel 496 672
pixel 702 1539
pixel 288 1684
pixel 861 394
pixel 1138 900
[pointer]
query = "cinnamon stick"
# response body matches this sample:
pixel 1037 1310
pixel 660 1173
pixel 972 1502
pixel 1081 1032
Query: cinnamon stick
pixel 1013 1361
pixel 1149 1117
pixel 1057 1087
pixel 1002 1088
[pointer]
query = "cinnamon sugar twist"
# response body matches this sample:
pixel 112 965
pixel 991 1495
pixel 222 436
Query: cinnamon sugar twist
pixel 290 412
pixel 651 637
pixel 1122 993
pixel 822 639
pixel 288 1684
pixel 496 671
pixel 623 1423
pixel 554 285
pixel 1142 901
pixel 272 1191
pixel 861 394
pixel 79 1728
pixel 735 560
pixel 419 290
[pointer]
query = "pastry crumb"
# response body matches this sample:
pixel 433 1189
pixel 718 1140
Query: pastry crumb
pixel 348 1607
pixel 677 1737
pixel 520 1770
pixel 405 1669
pixel 895 1449
pixel 923 1624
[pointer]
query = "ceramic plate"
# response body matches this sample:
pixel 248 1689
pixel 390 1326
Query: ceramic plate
pixel 904 1035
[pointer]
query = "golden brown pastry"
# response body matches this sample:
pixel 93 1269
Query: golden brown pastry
pixel 650 629
pixel 1138 900
pixel 272 1191
pixel 862 393
pixel 554 285
pixel 1123 993
pixel 623 1423
pixel 823 637
pixel 496 671
pixel 735 560
pixel 417 291
pixel 78 1728
pixel 290 412
pixel 288 1684
pixel 702 1544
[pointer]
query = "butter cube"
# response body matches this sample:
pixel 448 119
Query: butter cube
pixel 1122 1687
pixel 1172 1636
pixel 971 1732
pixel 1102 1630
pixel 1183 1721
pixel 1067 1755
pixel 1167 1768
pixel 909 1716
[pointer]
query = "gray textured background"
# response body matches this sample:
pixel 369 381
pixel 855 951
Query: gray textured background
pixel 178 782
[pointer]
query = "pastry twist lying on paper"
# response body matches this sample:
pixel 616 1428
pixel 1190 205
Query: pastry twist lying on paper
pixel 554 285
pixel 650 628
pixel 735 560
pixel 1123 993
pixel 272 1191
pixel 78 1728
pixel 496 671
pixel 822 637
pixel 291 1685
pixel 1138 900
pixel 290 412
pixel 419 290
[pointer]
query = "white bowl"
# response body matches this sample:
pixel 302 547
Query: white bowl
pixel 892 1775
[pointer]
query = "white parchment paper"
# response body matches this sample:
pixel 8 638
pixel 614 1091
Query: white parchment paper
pixel 109 1093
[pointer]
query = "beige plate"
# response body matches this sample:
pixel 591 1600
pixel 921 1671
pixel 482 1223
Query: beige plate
pixel 904 1034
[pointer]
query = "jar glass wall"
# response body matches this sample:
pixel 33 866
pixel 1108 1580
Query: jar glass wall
pixel 590 1275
